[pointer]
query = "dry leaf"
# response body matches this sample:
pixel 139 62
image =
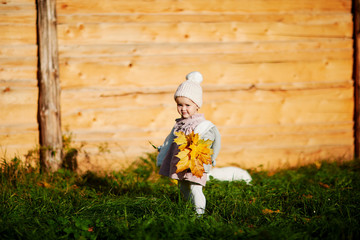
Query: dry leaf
pixel 318 164
pixel 324 185
pixel 309 196
pixel 269 211
pixel 194 152
pixel 44 184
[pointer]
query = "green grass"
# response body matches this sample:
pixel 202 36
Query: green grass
pixel 306 203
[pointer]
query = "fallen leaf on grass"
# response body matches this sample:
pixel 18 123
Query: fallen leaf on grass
pixel 44 184
pixel 318 164
pixel 269 211
pixel 324 185
pixel 307 196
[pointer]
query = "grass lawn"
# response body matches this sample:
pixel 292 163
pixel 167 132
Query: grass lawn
pixel 314 202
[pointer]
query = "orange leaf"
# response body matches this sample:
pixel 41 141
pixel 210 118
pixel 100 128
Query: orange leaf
pixel 197 168
pixel 44 184
pixel 269 211
pixel 309 196
pixel 324 185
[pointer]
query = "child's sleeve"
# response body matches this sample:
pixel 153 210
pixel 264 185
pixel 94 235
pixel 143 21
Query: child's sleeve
pixel 213 134
pixel 216 145
pixel 164 148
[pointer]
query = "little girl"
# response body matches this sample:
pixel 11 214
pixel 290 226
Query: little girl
pixel 188 98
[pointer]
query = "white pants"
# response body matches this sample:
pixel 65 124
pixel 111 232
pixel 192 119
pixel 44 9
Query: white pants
pixel 194 193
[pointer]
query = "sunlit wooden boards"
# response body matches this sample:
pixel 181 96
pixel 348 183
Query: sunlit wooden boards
pixel 278 77
pixel 18 81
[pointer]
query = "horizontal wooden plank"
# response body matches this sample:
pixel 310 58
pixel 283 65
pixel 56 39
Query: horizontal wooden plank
pixel 290 135
pixel 251 115
pixel 100 98
pixel 18 106
pixel 268 158
pixel 79 74
pixel 17 14
pixel 7 86
pixel 18 73
pixel 158 133
pixel 197 32
pixel 344 137
pixel 271 107
pixel 237 57
pixel 163 94
pixel 17 2
pixel 22 127
pixel 15 95
pixel 8 152
pixel 258 17
pixel 233 6
pixel 153 49
pixel 24 113
pixel 18 138
pixel 10 51
pixel 17 34
pixel 286 129
pixel 11 62
pixel 237 108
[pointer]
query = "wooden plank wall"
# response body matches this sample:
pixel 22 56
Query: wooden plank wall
pixel 18 80
pixel 278 76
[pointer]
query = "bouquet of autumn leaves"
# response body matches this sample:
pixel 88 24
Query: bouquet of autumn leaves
pixel 194 152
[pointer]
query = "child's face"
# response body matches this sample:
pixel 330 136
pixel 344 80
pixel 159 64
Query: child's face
pixel 185 107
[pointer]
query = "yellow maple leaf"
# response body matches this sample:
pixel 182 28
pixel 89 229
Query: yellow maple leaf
pixel 194 152
pixel 181 140
pixel 184 162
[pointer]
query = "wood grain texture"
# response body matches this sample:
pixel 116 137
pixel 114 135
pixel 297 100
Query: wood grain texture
pixel 213 6
pixel 18 80
pixel 131 75
pixel 122 33
pixel 152 49
pixel 277 76
pixel 307 18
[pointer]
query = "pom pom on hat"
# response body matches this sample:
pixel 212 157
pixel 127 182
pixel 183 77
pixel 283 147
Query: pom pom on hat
pixel 191 88
pixel 195 76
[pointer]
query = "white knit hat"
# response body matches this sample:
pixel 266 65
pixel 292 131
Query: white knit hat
pixel 191 88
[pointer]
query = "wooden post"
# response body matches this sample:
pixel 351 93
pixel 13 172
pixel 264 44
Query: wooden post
pixel 356 14
pixel 49 115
